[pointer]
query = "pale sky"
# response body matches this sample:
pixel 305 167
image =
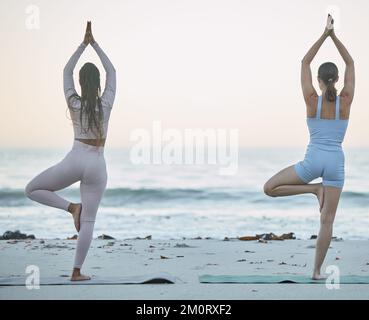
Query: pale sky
pixel 187 63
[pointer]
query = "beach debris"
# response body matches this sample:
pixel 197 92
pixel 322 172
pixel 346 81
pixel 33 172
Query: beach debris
pixel 248 238
pixel 105 237
pixel 337 239
pixel 164 257
pixel 149 237
pixel 288 236
pixel 262 241
pixel 180 256
pixel 241 260
pixel 212 264
pixel 54 246
pixel 282 263
pixel 298 265
pixel 270 260
pixel 272 236
pixel 16 235
pixel 42 241
pixel 109 244
pixel 314 237
pixel 74 237
pixel 181 245
pixel 12 242
pixel 268 237
pixel 197 238
pixel 337 258
pixel 254 290
pixel 248 251
pixel 228 239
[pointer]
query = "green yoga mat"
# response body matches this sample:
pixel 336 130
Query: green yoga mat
pixel 270 279
pixel 162 277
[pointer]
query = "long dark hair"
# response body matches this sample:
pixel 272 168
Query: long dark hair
pixel 89 79
pixel 328 73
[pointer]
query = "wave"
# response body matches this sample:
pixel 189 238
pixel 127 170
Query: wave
pixel 125 196
pixel 121 196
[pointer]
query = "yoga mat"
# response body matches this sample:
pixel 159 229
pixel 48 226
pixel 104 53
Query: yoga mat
pixel 270 279
pixel 64 280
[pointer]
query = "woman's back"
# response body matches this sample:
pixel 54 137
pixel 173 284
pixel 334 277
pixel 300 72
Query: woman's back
pixel 327 132
pixel 76 104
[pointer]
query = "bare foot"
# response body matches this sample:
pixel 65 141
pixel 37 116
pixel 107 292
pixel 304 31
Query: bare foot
pixel 79 277
pixel 75 209
pixel 318 276
pixel 320 196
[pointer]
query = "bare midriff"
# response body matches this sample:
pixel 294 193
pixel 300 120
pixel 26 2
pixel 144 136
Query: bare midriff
pixel 93 142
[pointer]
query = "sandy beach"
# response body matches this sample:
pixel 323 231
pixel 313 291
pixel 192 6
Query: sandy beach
pixel 185 259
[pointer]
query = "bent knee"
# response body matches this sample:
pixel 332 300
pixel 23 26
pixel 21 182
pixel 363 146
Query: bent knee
pixel 268 189
pixel 28 190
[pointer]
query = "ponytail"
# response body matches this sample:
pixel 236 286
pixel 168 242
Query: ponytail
pixel 328 73
pixel 331 91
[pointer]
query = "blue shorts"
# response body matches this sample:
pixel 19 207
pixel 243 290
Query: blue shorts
pixel 330 165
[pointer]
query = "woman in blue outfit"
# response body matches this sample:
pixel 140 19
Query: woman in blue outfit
pixel 327 120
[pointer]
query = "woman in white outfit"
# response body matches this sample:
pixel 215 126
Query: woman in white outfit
pixel 90 114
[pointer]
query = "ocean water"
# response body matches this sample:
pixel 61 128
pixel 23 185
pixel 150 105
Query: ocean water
pixel 175 201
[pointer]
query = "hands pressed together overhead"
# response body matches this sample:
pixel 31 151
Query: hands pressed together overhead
pixel 329 29
pixel 89 38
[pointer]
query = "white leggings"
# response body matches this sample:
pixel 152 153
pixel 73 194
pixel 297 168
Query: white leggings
pixel 83 163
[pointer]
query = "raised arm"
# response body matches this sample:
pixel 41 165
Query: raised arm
pixel 68 82
pixel 69 89
pixel 108 95
pixel 306 78
pixel 349 81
